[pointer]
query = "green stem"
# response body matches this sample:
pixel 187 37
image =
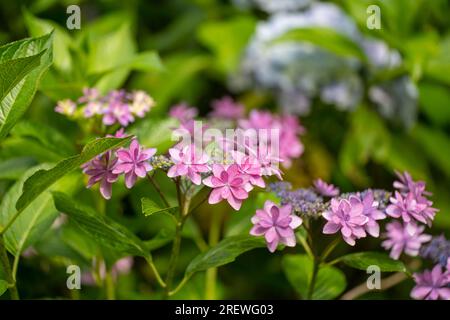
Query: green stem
pixel 158 189
pixel 329 249
pixel 109 286
pixel 313 279
pixel 179 286
pixel 7 269
pixel 211 273
pixel 156 273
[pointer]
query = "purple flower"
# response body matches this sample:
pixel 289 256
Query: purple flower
pixel 133 162
pixel 100 169
pixel 228 183
pixel 411 208
pixel 183 112
pixel 277 224
pixel 406 184
pixel 227 108
pixel 325 189
pixel 89 94
pixel 401 238
pixel 437 250
pixel 188 162
pixel 431 285
pixel 346 217
pixel 117 112
pixel 370 210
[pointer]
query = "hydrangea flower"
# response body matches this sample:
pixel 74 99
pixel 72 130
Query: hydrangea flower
pixel 402 239
pixel 346 217
pixel 370 210
pixel 251 167
pixel 141 103
pixel 431 285
pixel 227 108
pixel 325 189
pixel 66 107
pixel 405 183
pixel 437 250
pixel 188 162
pixel 100 170
pixel 277 224
pixel 133 162
pixel 183 112
pixel 228 183
pixel 411 208
pixel 117 112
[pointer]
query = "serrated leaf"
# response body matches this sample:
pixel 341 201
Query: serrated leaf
pixel 362 260
pixel 330 281
pixel 101 228
pixel 149 207
pixel 43 179
pixel 15 99
pixel 325 38
pixel 33 221
pixel 224 252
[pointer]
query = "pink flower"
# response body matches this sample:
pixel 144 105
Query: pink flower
pixel 100 169
pixel 406 183
pixel 346 217
pixel 133 162
pixel 183 112
pixel 400 238
pixel 228 184
pixel 325 189
pixel 188 162
pixel 411 208
pixel 89 94
pixel 370 210
pixel 117 112
pixel 227 108
pixel 251 167
pixel 431 285
pixel 277 224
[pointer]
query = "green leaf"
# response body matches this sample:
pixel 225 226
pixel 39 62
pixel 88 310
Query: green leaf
pixel 149 207
pixel 330 281
pixel 155 133
pixel 13 168
pixel 224 252
pixel 15 99
pixel 325 38
pixel 362 260
pixel 43 179
pixel 101 228
pixel 62 40
pixel 45 135
pixel 434 102
pixel 433 143
pixel 227 39
pixel 3 287
pixel 33 221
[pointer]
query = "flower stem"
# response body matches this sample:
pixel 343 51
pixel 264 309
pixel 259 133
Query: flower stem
pixel 158 189
pixel 211 273
pixel 7 269
pixel 313 279
pixel 109 286
pixel 156 273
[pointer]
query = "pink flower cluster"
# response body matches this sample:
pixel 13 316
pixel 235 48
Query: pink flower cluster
pixel 412 207
pixel 410 202
pixel 432 285
pixel 353 217
pixel 105 169
pixel 276 224
pixel 118 106
pixel 289 129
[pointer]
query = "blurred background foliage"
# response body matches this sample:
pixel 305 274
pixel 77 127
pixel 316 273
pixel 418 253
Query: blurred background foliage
pixel 398 117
